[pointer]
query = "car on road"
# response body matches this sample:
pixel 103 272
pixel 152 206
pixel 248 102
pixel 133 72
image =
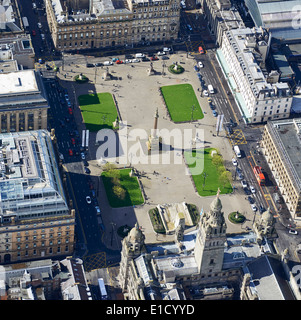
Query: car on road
pixel 247 191
pixel 89 65
pixel 200 64
pixel 205 93
pixel 189 27
pixel 135 60
pixel 88 199
pixel 154 58
pixel 244 183
pixel 119 62
pixel 98 64
pixel 107 63
pixel 292 231
pixel 261 209
pixel 39 25
pixel 70 110
pixel 161 53
pixel 214 113
pixel 253 190
pixel 43 36
pixel 86 163
pixel 97 210
pixel 115 59
pixel 254 208
pixel 73 141
pixel 250 199
pixel 33 32
pixel 234 162
pixel 240 176
pixel 70 152
pixel 83 156
pixel 87 170
pixel 196 68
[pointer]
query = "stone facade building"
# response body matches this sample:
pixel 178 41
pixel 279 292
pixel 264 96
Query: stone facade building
pixel 110 23
pixel 281 146
pixel 35 220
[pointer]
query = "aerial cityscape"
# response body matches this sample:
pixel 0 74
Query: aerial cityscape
pixel 150 150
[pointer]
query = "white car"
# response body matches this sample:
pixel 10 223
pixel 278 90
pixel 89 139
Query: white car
pixel 252 189
pixel 97 210
pixel 39 25
pixel 292 231
pixel 200 64
pixel 107 63
pixel 234 162
pixel 83 156
pixel 161 53
pixel 254 208
pixel 205 93
pixel 135 60
pixel 88 199
pixel 244 184
pixel 127 61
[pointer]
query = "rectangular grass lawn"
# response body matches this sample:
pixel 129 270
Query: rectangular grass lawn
pixel 133 194
pixel 212 178
pixel 179 100
pixel 98 110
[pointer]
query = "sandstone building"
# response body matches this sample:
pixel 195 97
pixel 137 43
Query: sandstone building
pixel 76 25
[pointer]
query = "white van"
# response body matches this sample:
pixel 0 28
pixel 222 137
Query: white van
pixel 139 55
pixel 237 151
pixel 107 63
pixel 210 88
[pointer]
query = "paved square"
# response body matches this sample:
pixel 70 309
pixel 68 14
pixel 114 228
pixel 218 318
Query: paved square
pixel 138 96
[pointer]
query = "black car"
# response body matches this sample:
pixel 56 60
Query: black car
pixel 98 64
pixel 251 200
pixel 261 209
pixel 247 191
pixel 89 65
pixel 87 170
pixel 86 164
pixel 229 129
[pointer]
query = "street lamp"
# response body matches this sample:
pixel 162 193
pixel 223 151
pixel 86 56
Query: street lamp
pixel 192 109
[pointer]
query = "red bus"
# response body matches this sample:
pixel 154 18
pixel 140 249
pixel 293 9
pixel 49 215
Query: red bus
pixel 259 175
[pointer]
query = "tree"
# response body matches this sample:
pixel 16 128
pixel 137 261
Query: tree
pixel 119 192
pixel 225 177
pixel 217 160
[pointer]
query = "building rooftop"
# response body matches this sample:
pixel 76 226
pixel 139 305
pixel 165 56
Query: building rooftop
pixel 30 183
pixel 287 135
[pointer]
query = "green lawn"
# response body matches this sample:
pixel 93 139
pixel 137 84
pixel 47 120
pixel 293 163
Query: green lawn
pixel 179 100
pixel 133 194
pixel 212 179
pixel 98 110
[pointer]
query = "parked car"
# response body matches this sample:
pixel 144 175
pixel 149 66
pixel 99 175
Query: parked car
pixel 244 184
pixel 251 200
pixel 89 65
pixel 127 61
pixel 87 170
pixel 73 141
pixel 160 53
pixel 261 209
pixel 107 63
pixel 254 208
pixel 70 110
pixel 70 152
pixel 135 60
pixel 234 162
pixel 196 68
pixel 119 62
pixel 253 190
pixel 39 25
pixel 97 210
pixel 200 64
pixel 88 199
pixel 214 113
pixel 154 58
pixel 292 231
pixel 83 156
pixel 98 64
pixel 205 93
